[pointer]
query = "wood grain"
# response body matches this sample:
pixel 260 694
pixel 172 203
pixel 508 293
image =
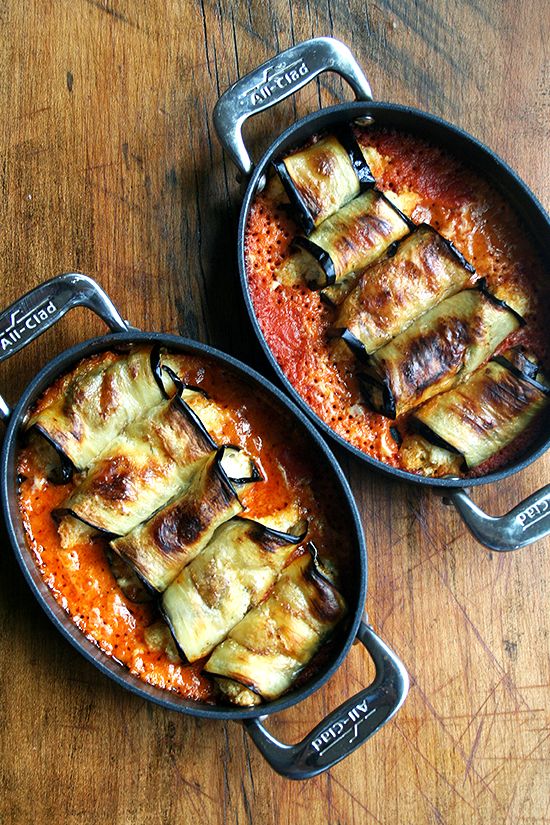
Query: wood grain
pixel 109 166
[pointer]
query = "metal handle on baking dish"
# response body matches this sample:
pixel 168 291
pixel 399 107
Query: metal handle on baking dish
pixel 38 310
pixel 347 727
pixel 277 79
pixel 525 524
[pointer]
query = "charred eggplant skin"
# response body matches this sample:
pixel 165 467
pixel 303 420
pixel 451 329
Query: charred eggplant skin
pixel 159 548
pixel 482 416
pixel 439 350
pixel 330 258
pixel 96 400
pixel 142 469
pixel 301 210
pixel 423 269
pixel 344 134
pixel 322 257
pixel 162 546
pixel 362 231
pixel 528 372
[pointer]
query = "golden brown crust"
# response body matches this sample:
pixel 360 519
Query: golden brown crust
pixel 266 651
pixel 87 408
pixel 352 238
pixel 232 574
pixel 161 547
pixel 147 464
pixel 483 415
pixel 444 346
pixel 393 292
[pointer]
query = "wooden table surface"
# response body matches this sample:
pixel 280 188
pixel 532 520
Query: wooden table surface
pixel 109 165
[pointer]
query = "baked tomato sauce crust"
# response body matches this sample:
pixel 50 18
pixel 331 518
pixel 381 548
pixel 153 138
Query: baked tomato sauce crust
pixel 459 204
pixel 80 577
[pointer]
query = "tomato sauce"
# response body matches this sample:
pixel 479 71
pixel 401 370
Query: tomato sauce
pixel 454 200
pixel 80 577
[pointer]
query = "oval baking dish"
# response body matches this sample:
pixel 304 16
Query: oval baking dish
pixel 346 727
pixel 281 77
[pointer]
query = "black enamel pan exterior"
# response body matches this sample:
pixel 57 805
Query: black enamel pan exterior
pixel 281 77
pixel 344 729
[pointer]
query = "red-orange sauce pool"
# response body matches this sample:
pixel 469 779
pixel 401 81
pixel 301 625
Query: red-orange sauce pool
pixel 80 577
pixel 456 202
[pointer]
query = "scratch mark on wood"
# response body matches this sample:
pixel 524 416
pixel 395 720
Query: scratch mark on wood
pixel 473 752
pixel 225 768
pixel 116 15
pixel 246 805
pixel 498 666
pixel 357 801
pixel 246 747
pixel 193 786
pixel 478 713
pixel 414 748
pixel 455 742
pixel 205 36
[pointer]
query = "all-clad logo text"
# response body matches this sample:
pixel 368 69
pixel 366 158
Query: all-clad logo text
pixel 21 325
pixel 535 513
pixel 275 79
pixel 347 726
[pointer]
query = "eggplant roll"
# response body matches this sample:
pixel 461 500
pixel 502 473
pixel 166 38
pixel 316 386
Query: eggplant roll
pixel 232 575
pixel 480 417
pixel 152 460
pixel 161 547
pixel 393 292
pixel 265 652
pixel 322 178
pixel 440 349
pixel 89 407
pixel 345 243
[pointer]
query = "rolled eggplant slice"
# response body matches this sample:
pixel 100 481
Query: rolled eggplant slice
pixel 440 349
pixel 391 293
pixel 90 406
pixel 232 575
pixel 345 243
pixel 151 461
pixel 322 178
pixel 266 651
pixel 161 547
pixel 480 417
